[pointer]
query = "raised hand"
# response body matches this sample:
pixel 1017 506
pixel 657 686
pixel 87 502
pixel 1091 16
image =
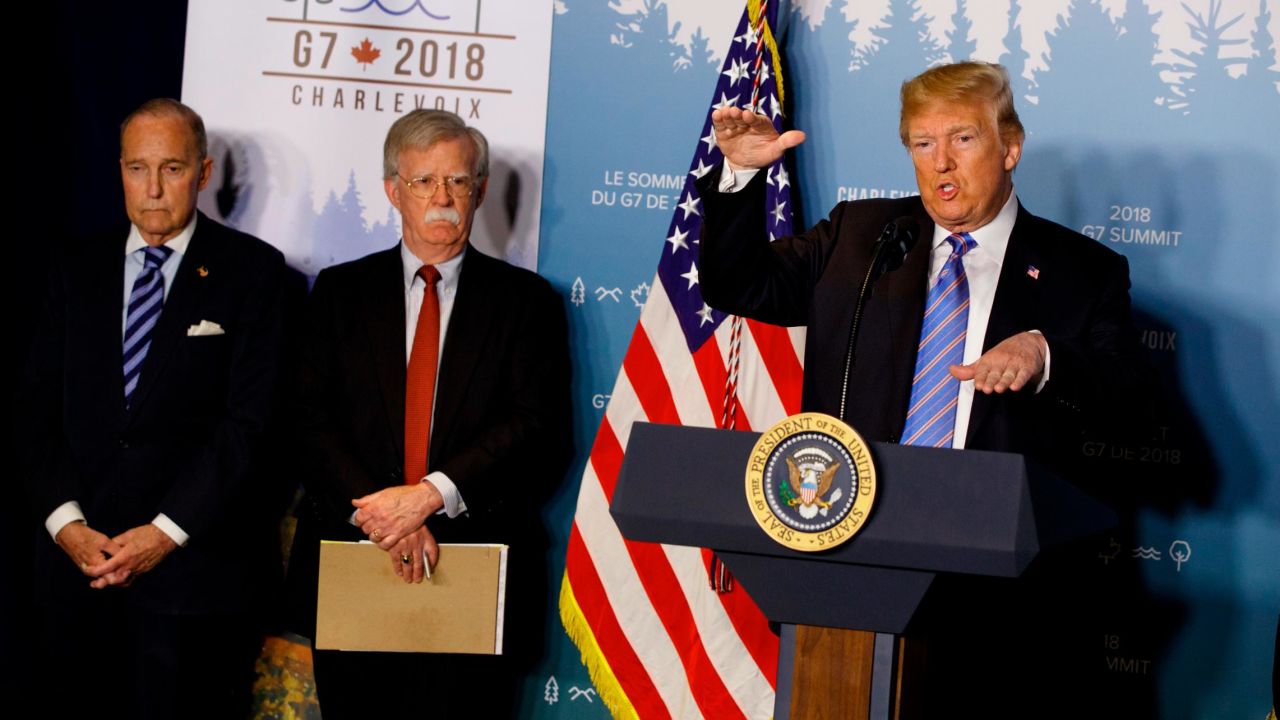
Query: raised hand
pixel 749 140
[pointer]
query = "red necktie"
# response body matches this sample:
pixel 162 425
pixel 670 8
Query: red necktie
pixel 420 381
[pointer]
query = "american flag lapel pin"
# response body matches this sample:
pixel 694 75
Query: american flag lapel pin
pixel 1033 272
pixel 202 271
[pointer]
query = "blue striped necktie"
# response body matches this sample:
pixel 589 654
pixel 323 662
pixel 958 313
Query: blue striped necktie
pixel 931 419
pixel 145 302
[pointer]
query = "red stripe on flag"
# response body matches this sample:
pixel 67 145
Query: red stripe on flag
pixel 715 377
pixel 711 372
pixel 614 647
pixel 663 589
pixel 606 458
pixel 650 384
pixel 751 625
pixel 779 356
pixel 651 563
pixel 747 619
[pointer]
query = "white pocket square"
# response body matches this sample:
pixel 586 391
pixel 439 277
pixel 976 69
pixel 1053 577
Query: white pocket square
pixel 206 327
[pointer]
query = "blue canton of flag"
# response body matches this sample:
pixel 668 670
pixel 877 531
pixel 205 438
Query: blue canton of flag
pixel 678 268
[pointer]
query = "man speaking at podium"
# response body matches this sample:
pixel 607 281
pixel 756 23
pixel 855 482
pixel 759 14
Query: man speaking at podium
pixel 1000 330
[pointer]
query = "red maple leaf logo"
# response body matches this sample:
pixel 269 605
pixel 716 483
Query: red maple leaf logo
pixel 365 53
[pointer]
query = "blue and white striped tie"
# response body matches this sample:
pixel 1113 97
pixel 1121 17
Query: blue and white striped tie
pixel 145 302
pixel 931 419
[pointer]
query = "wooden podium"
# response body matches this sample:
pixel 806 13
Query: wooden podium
pixel 842 612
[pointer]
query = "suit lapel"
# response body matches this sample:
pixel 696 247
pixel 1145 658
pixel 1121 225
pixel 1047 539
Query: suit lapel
pixel 913 278
pixel 472 316
pixel 1013 310
pixel 905 288
pixel 99 287
pixel 384 321
pixel 185 299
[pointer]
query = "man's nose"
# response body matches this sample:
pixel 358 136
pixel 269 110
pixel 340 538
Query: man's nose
pixel 440 195
pixel 155 188
pixel 942 158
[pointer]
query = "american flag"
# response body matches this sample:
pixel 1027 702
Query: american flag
pixel 656 639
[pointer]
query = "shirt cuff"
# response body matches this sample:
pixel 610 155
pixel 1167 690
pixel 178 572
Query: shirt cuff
pixel 65 514
pixel 1044 378
pixel 453 503
pixel 170 528
pixel 732 181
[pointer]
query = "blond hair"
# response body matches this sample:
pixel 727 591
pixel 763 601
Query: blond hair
pixel 962 82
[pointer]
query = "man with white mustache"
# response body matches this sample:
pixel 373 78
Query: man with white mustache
pixel 433 404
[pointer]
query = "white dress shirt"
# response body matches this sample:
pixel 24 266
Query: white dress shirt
pixel 446 292
pixel 982 269
pixel 70 511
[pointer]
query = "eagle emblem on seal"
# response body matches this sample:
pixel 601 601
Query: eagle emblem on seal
pixel 811 472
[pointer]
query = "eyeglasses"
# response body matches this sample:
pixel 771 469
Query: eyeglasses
pixel 458 186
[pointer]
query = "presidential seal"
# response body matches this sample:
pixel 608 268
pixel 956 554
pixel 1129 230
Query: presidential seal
pixel 811 482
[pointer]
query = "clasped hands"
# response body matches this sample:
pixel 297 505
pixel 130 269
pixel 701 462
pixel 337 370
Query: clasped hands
pixel 394 518
pixel 118 560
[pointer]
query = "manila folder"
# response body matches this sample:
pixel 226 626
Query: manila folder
pixel 363 605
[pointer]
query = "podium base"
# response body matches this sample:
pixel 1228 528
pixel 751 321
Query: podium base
pixel 834 673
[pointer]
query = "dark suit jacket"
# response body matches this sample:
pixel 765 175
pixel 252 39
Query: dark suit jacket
pixel 1080 302
pixel 187 446
pixel 1097 385
pixel 502 417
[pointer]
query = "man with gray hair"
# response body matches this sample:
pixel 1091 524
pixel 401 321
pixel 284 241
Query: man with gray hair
pixel 149 392
pixel 433 406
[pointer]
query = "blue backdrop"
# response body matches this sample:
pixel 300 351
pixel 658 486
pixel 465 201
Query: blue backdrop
pixel 1151 127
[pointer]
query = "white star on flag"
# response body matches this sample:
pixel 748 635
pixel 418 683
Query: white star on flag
pixel 705 314
pixel 690 206
pixel 737 70
pixel 701 170
pixel 781 177
pixel 677 240
pixel 710 140
pixel 692 275
pixel 725 102
pixel 778 216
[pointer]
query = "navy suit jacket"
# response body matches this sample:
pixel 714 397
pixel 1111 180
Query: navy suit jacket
pixel 189 443
pixel 1079 301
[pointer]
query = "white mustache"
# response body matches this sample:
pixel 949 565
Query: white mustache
pixel 447 214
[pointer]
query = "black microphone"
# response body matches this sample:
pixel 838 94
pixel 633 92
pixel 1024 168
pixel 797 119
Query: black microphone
pixel 896 240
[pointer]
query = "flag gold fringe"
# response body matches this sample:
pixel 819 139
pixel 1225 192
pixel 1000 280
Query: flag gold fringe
pixel 602 677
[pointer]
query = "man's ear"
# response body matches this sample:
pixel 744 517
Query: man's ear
pixel 392 186
pixel 206 172
pixel 1012 153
